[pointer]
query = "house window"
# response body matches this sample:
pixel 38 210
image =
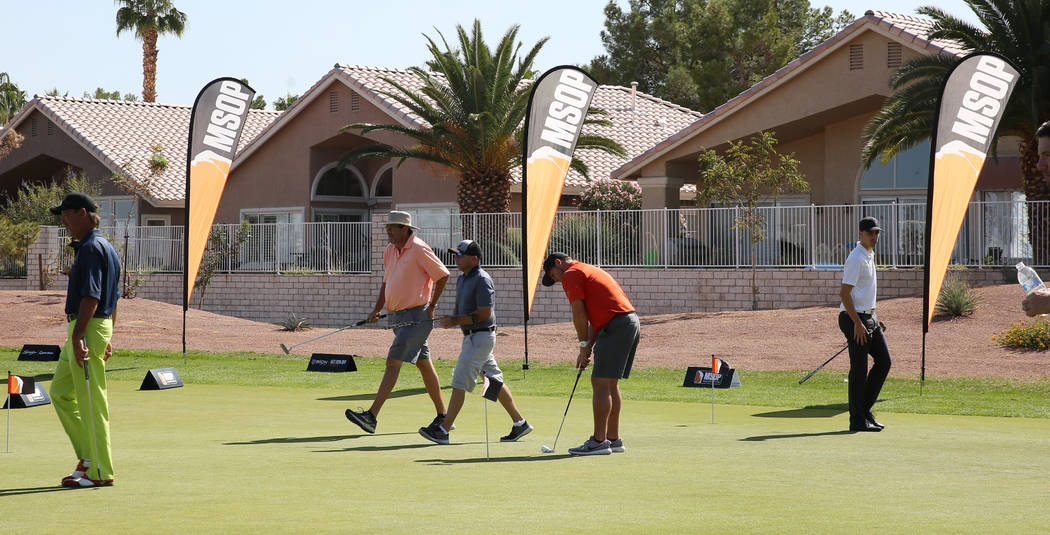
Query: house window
pixel 116 211
pixel 276 240
pixel 909 169
pixel 339 183
pixel 856 57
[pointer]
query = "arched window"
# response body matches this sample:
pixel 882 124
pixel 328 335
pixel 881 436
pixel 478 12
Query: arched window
pixel 333 183
pixel 383 185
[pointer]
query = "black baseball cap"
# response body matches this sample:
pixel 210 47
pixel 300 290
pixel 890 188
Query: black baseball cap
pixel 869 224
pixel 548 264
pixel 467 247
pixel 75 201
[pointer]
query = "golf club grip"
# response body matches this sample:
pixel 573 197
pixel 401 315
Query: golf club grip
pixel 364 321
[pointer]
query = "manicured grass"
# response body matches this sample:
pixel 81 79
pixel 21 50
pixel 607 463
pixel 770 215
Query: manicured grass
pixel 253 444
pixel 824 391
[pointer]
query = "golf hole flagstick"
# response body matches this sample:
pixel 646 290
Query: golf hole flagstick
pixel 544 448
pixel 288 349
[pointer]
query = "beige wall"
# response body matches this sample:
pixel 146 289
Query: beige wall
pixel 281 171
pixel 819 113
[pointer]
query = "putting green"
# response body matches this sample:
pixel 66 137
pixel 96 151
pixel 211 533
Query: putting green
pixel 239 459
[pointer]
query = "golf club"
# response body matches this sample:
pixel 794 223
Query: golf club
pixel 288 349
pixel 410 323
pixel 814 372
pixel 94 436
pixel 544 448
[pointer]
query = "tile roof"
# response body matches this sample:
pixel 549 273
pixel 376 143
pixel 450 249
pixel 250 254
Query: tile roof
pixel 120 133
pixel 908 29
pixel 653 120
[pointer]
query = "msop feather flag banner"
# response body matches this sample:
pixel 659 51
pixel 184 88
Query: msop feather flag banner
pixel 216 122
pixel 557 107
pixel 553 121
pixel 972 103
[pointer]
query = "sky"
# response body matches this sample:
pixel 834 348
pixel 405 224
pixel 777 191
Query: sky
pixel 286 47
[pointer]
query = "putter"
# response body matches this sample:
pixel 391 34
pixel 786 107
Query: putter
pixel 288 349
pixel 544 448
pixel 410 323
pixel 814 372
pixel 94 436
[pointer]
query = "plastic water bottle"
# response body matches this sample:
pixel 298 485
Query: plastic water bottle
pixel 1029 279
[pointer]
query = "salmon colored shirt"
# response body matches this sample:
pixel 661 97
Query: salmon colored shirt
pixel 409 274
pixel 601 294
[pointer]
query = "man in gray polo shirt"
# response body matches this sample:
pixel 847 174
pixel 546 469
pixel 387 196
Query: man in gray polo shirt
pixel 864 333
pixel 475 316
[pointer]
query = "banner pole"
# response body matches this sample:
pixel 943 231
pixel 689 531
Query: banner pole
pixel 922 372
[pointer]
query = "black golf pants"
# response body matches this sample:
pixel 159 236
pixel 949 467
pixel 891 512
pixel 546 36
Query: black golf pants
pixel 864 386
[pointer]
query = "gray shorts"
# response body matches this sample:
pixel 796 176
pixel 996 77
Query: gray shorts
pixel 615 346
pixel 476 357
pixel 410 343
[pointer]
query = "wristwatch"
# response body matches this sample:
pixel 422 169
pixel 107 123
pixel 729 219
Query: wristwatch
pixel 584 343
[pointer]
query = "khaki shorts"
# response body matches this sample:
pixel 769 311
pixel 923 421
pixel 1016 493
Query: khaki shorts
pixel 476 357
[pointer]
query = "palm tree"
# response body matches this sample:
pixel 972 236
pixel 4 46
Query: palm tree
pixel 474 104
pixel 149 18
pixel 1016 29
pixel 11 98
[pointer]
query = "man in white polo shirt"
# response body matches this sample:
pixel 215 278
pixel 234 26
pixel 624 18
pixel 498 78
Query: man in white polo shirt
pixel 864 333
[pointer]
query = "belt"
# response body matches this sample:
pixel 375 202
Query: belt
pixel 869 312
pixel 478 330
pixel 73 317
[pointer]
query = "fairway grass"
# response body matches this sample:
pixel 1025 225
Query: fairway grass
pixel 252 444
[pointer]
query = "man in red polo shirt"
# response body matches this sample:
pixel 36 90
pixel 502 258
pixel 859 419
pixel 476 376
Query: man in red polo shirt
pixel 606 325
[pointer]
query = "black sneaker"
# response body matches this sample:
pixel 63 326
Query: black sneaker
pixel 516 432
pixel 434 434
pixel 363 419
pixel 438 420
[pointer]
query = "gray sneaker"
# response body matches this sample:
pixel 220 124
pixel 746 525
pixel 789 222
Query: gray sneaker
pixel 592 447
pixel 363 419
pixel 617 446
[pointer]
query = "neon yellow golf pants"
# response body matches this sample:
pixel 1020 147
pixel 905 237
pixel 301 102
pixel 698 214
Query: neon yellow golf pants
pixel 69 394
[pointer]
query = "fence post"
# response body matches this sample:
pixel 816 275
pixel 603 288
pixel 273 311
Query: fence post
pixel 598 225
pixel 276 248
pixel 980 234
pixel 813 235
pixel 664 239
pixel 896 233
pixel 736 238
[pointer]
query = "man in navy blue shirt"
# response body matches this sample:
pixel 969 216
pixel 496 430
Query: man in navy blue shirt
pixel 91 307
pixel 475 316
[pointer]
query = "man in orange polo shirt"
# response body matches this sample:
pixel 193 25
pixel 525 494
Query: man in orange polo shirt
pixel 413 280
pixel 606 324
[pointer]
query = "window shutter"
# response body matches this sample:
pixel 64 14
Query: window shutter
pixel 355 102
pixel 333 101
pixel 893 55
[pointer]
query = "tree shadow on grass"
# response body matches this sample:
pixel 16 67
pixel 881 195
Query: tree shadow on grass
pixel 302 440
pixel 811 411
pixel 762 438
pixel 370 396
pixel 31 490
pixel 518 458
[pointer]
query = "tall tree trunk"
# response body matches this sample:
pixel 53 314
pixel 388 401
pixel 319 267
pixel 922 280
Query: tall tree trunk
pixel 1036 188
pixel 483 193
pixel 149 65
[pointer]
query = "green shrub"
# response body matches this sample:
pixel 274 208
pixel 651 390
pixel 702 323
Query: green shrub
pixel 1027 335
pixel 293 323
pixel 957 298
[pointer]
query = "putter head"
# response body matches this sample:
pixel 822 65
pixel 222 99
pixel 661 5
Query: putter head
pixel 285 348
pixel 545 449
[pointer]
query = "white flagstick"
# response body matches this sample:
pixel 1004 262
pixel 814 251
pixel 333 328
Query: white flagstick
pixel 712 398
pixel 485 403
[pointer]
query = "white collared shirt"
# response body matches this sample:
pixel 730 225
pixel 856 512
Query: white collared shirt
pixel 859 272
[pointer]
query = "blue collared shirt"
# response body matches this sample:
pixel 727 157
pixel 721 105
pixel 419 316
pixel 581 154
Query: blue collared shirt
pixel 95 273
pixel 473 290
